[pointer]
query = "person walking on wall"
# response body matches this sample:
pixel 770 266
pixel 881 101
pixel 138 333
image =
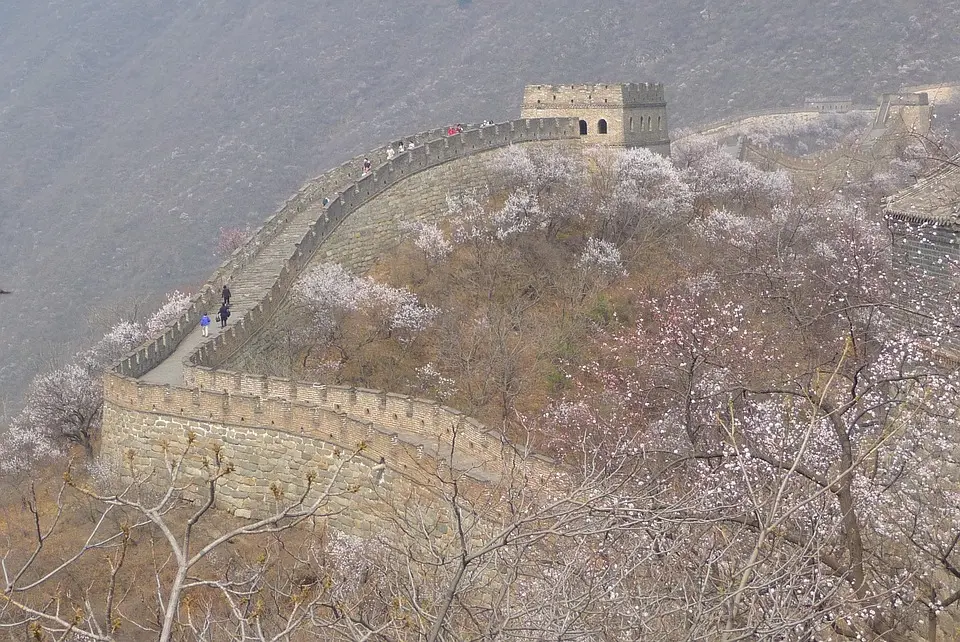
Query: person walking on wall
pixel 205 325
pixel 226 295
pixel 223 315
pixel 367 166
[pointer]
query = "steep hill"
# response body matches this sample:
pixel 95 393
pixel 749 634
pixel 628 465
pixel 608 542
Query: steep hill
pixel 130 131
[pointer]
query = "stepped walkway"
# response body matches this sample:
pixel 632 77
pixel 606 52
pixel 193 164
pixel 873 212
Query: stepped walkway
pixel 261 271
pixel 246 290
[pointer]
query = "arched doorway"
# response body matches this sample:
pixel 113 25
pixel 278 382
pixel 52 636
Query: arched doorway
pixel 583 128
pixel 601 126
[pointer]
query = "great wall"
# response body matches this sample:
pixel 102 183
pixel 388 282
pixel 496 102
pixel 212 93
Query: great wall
pixel 275 430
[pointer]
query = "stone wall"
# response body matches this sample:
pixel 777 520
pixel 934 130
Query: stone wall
pixel 275 432
pixel 420 421
pixel 928 254
pixel 628 114
pixel 274 443
pixel 362 221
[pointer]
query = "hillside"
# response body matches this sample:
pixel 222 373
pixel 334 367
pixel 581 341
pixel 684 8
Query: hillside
pixel 131 131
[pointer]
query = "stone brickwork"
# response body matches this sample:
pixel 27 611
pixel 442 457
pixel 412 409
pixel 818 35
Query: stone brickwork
pixel 419 421
pixel 275 432
pixel 274 443
pixel 618 115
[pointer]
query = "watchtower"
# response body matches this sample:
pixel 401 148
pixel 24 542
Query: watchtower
pixel 616 115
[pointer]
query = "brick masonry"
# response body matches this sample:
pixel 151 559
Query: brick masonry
pixel 275 432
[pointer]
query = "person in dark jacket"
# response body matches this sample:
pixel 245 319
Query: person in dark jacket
pixel 226 295
pixel 223 315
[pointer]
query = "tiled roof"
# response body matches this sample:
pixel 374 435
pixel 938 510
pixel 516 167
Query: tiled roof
pixel 932 199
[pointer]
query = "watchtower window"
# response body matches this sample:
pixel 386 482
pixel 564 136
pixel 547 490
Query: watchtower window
pixel 659 124
pixel 583 128
pixel 601 126
pixel 649 122
pixel 631 124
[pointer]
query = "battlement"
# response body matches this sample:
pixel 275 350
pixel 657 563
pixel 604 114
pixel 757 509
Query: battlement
pixel 371 470
pixel 609 114
pixel 596 95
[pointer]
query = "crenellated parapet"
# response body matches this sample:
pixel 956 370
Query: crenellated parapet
pixel 345 191
pixel 273 444
pixel 615 114
pixel 275 430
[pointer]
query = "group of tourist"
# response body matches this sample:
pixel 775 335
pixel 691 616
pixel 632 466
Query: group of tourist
pixel 222 314
pixel 395 150
pixel 392 152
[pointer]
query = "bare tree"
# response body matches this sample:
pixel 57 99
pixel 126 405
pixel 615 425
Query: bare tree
pixel 195 589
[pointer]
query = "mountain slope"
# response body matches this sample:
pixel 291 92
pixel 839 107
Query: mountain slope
pixel 130 131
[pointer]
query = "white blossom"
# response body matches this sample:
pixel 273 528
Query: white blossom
pixel 176 304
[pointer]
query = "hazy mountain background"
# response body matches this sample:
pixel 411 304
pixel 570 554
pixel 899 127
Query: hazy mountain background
pixel 131 130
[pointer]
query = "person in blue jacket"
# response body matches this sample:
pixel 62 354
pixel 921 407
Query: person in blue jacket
pixel 205 325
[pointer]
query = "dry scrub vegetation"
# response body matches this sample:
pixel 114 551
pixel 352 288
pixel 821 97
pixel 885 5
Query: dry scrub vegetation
pixel 754 433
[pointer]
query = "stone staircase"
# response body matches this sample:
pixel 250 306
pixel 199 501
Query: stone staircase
pixel 246 289
pixel 260 272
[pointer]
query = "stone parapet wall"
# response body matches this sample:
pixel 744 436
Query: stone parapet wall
pixel 594 95
pixel 152 353
pixel 274 443
pixel 373 230
pixel 390 412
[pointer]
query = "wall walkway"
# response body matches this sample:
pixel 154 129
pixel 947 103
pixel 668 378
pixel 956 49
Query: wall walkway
pixel 277 429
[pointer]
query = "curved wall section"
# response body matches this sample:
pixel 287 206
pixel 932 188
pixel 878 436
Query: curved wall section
pixel 361 222
pixel 311 194
pixel 276 431
pixel 274 443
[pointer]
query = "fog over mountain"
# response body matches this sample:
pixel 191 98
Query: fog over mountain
pixel 131 130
